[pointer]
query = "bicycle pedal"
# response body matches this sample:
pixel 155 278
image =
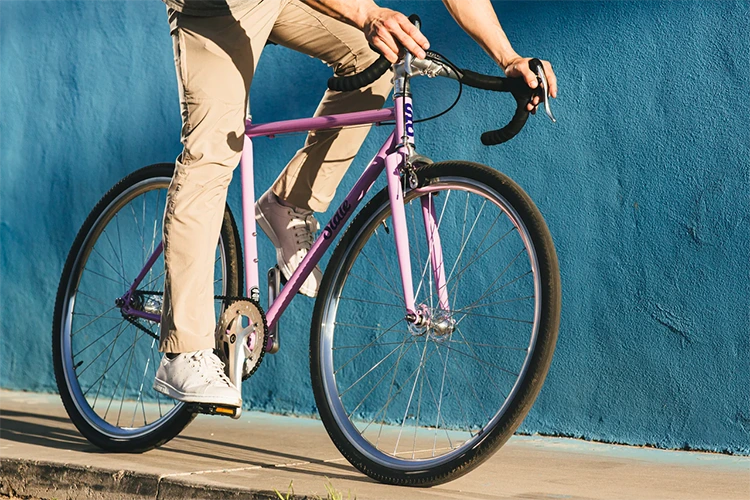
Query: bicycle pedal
pixel 214 409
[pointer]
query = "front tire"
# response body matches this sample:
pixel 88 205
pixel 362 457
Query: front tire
pixel 419 407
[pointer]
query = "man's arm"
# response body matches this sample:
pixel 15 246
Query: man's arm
pixel 385 29
pixel 479 20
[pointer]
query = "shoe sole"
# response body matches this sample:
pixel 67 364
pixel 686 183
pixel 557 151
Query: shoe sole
pixel 166 389
pixel 265 226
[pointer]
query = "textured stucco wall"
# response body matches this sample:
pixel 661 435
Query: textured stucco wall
pixel 643 181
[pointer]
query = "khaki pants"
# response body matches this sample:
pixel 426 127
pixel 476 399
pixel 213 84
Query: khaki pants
pixel 215 58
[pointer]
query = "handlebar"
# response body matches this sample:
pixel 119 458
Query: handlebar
pixel 520 91
pixel 370 74
pixel 433 66
pixel 363 79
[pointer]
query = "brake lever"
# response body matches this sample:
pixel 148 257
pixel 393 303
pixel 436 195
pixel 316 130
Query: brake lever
pixel 536 67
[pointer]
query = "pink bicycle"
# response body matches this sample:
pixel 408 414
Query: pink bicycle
pixel 432 332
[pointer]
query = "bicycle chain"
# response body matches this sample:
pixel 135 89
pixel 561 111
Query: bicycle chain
pixel 227 298
pixel 135 323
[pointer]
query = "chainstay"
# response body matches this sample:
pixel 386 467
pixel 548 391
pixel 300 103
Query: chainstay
pixel 226 298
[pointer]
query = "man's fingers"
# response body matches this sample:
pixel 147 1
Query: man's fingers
pixel 410 45
pixel 395 28
pixel 389 31
pixel 529 76
pixel 389 51
pixel 551 78
pixel 521 68
pixel 416 35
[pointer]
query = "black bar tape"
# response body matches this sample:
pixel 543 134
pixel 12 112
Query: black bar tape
pixel 516 86
pixel 354 82
pixel 509 131
pixel 521 92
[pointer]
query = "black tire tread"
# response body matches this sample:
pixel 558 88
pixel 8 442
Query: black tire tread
pixel 539 365
pixel 180 420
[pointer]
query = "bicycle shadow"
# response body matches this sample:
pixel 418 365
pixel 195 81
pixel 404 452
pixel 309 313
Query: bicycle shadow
pixel 329 470
pixel 58 433
pixel 23 427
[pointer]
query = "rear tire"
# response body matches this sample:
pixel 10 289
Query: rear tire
pixel 94 347
pixel 474 385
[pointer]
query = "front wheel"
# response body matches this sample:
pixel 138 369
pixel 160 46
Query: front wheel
pixel 105 361
pixel 422 406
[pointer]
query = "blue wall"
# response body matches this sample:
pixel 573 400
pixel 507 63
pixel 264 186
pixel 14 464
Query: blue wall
pixel 643 181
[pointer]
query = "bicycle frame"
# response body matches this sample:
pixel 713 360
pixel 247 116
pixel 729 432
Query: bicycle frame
pixel 392 158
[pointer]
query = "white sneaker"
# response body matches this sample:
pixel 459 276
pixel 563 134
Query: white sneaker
pixel 196 377
pixel 292 232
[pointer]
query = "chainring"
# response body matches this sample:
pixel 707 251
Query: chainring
pixel 231 323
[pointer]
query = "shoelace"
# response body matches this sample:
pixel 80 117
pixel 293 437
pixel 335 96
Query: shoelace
pixel 212 363
pixel 305 227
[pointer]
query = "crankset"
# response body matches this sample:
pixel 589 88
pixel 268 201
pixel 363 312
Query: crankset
pixel 241 336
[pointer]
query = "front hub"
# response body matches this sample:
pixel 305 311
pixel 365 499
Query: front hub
pixel 436 324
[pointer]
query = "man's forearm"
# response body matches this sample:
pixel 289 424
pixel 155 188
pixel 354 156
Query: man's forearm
pixel 479 20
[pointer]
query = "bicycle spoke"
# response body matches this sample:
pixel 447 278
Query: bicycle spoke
pixel 140 390
pixel 352 275
pixel 119 242
pixel 382 253
pixel 341 394
pixel 119 379
pixel 487 291
pixel 95 319
pixel 101 382
pixel 492 292
pixel 466 241
pixel 140 234
pixel 368 345
pixel 124 281
pixel 158 395
pixel 109 366
pixel 87 270
pixel 487 304
pixel 401 306
pixel 79 374
pixel 377 384
pixel 386 281
pixel 476 358
pixel 97 339
pixel 147 285
pixel 479 344
pixel 472 260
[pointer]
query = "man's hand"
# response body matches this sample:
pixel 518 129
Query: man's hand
pixel 388 31
pixel 519 67
pixel 385 29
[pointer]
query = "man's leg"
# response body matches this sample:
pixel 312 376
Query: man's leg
pixel 309 181
pixel 215 58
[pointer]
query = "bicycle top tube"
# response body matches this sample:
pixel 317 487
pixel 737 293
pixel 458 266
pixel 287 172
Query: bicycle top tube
pixel 320 122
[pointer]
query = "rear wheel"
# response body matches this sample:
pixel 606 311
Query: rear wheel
pixel 421 406
pixel 105 361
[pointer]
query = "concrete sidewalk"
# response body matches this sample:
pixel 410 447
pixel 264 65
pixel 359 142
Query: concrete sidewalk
pixel 43 455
